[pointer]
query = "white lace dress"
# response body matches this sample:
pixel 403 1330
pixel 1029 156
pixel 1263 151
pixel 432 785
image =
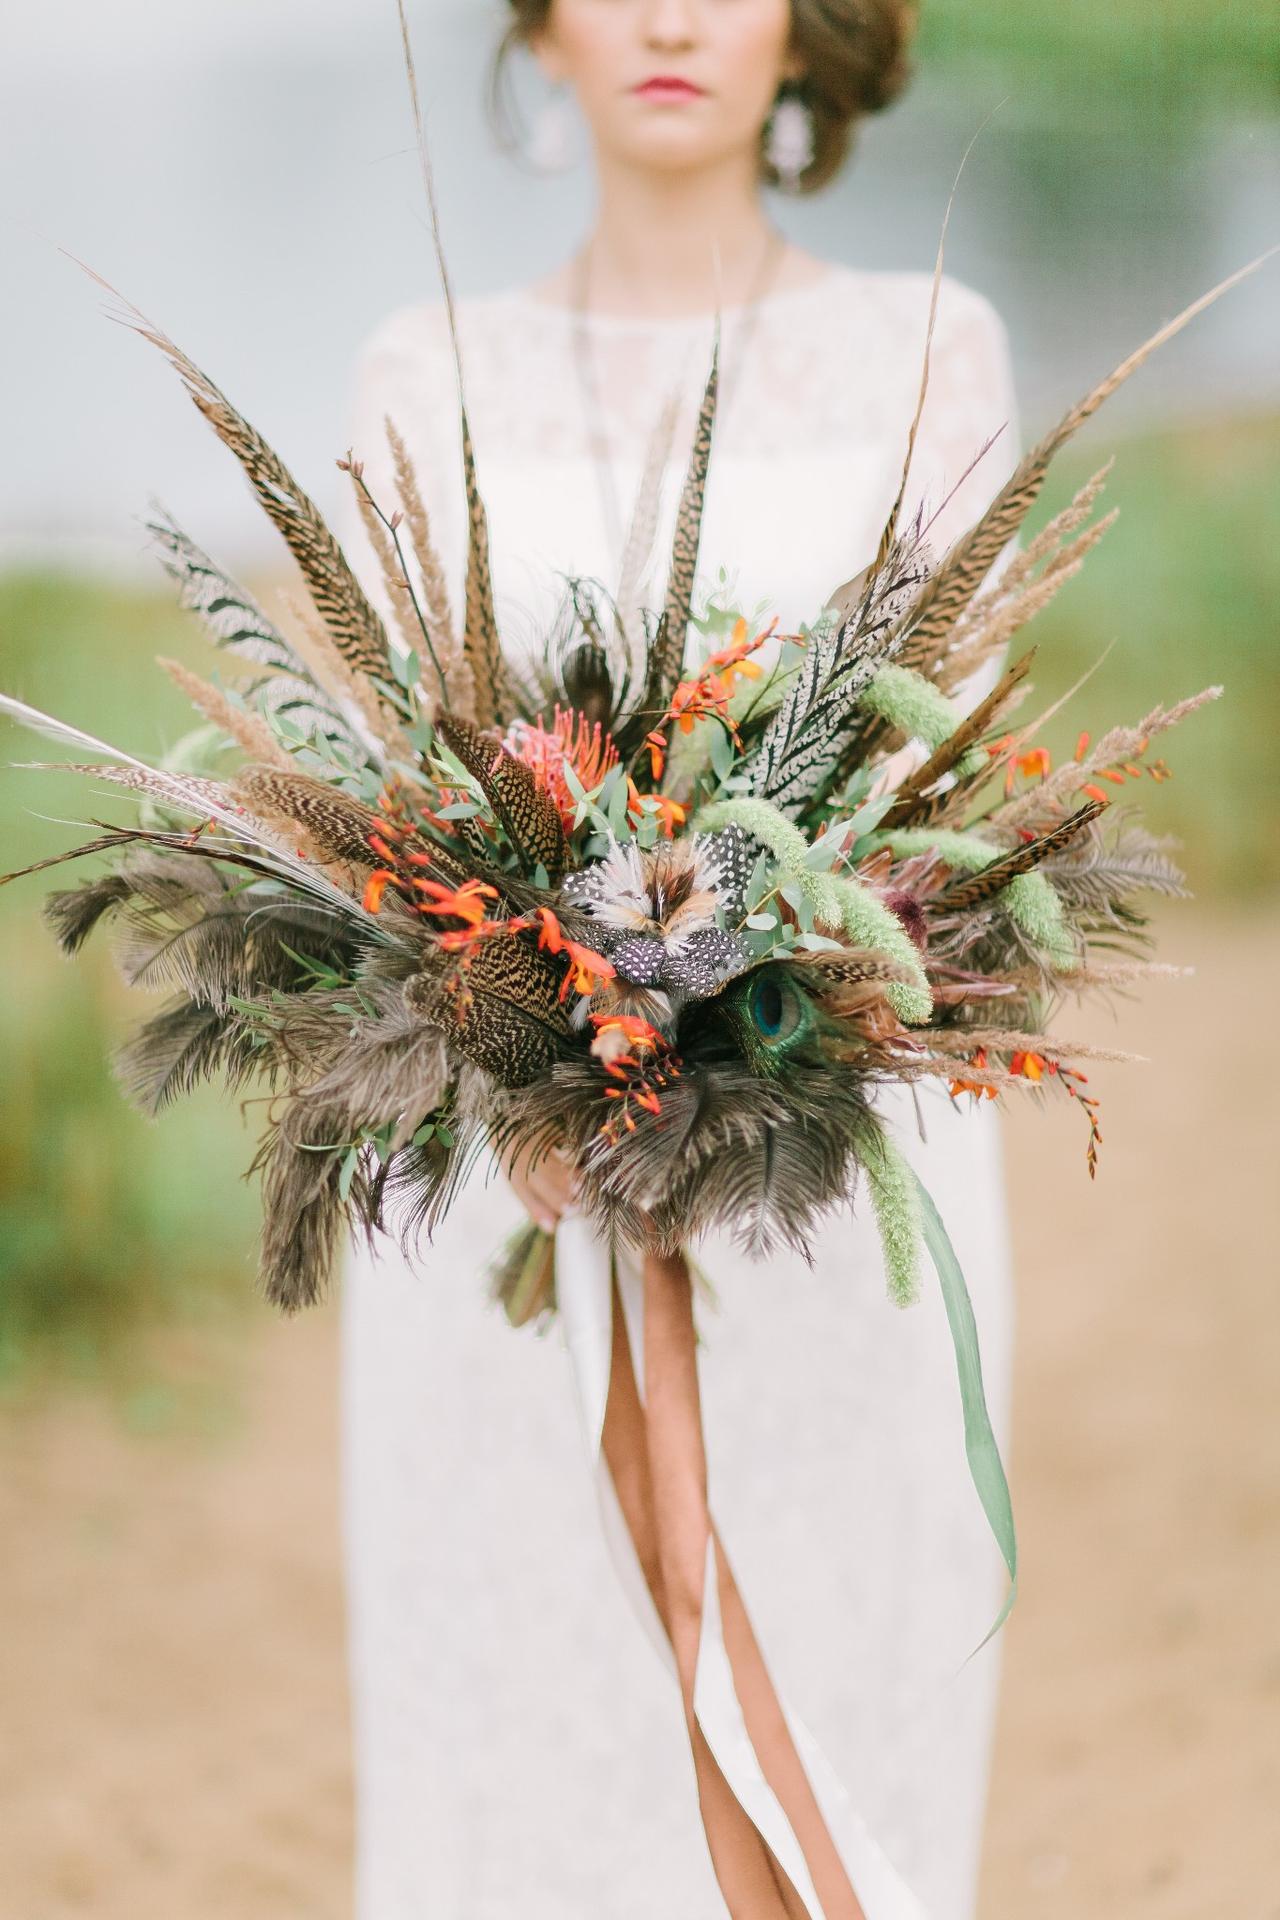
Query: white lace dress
pixel 520 1753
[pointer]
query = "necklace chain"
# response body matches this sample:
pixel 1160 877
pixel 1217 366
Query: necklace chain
pixel 589 379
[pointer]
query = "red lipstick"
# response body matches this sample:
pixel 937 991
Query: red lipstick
pixel 668 87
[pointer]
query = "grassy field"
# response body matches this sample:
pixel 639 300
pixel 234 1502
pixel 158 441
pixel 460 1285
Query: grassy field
pixel 1175 49
pixel 109 1224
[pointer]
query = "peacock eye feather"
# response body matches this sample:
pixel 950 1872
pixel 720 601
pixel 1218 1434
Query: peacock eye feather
pixel 767 1014
pixel 774 1011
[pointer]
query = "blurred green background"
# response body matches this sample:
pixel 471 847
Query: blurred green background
pixel 110 1225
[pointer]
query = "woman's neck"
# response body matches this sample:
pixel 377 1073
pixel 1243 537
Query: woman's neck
pixel 672 244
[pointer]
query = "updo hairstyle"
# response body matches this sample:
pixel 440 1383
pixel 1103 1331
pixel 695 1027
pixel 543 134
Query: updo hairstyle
pixel 853 56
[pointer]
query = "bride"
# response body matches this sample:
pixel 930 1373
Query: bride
pixel 519 1752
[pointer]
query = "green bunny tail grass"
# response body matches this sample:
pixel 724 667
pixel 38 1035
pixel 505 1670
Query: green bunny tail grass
pixel 895 1202
pixel 918 708
pixel 1035 907
pixel 1029 899
pixel 869 923
pixel 839 904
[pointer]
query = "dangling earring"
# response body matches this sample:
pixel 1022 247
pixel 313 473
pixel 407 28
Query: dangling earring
pixel 789 140
pixel 550 146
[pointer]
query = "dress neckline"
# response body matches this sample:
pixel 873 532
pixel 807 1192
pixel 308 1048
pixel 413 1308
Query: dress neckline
pixel 675 323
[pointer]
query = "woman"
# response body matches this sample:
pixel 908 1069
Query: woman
pixel 518 1751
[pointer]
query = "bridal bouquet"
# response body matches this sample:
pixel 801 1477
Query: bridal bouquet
pixel 678 921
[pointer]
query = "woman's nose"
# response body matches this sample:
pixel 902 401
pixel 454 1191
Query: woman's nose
pixel 670 24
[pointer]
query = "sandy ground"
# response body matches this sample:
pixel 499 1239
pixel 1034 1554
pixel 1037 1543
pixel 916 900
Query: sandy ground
pixel 174 1732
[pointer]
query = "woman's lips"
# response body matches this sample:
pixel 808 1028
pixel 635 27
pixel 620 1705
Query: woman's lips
pixel 667 86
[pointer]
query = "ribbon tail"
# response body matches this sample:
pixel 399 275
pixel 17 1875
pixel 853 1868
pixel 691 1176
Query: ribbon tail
pixel 784 1840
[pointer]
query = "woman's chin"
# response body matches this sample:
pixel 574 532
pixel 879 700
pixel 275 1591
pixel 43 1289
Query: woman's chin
pixel 668 146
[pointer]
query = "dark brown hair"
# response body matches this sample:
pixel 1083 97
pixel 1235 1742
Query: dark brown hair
pixel 853 58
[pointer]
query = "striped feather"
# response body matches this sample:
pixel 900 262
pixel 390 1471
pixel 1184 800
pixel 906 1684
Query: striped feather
pixel 970 560
pixel 526 812
pixel 355 626
pixel 799 751
pixel 481 643
pixel 666 654
pixel 911 793
pixel 977 888
pixel 236 623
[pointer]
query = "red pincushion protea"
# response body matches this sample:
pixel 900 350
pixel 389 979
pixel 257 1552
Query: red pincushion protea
pixel 571 741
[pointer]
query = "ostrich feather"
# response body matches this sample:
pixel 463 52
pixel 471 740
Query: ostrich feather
pixel 180 1049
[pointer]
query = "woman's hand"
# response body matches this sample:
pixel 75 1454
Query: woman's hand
pixel 896 768
pixel 545 1185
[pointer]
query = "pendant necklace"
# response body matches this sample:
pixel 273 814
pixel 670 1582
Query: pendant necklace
pixel 589 381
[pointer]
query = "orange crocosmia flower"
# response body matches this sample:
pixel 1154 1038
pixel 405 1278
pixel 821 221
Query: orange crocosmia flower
pixel 375 886
pixel 586 969
pixel 657 745
pixel 978 1088
pixel 634 1028
pixel 671 814
pixel 1096 793
pixel 620 1039
pixel 1037 761
pixel 550 933
pixel 466 902
pixel 1028 1066
pixel 462 939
